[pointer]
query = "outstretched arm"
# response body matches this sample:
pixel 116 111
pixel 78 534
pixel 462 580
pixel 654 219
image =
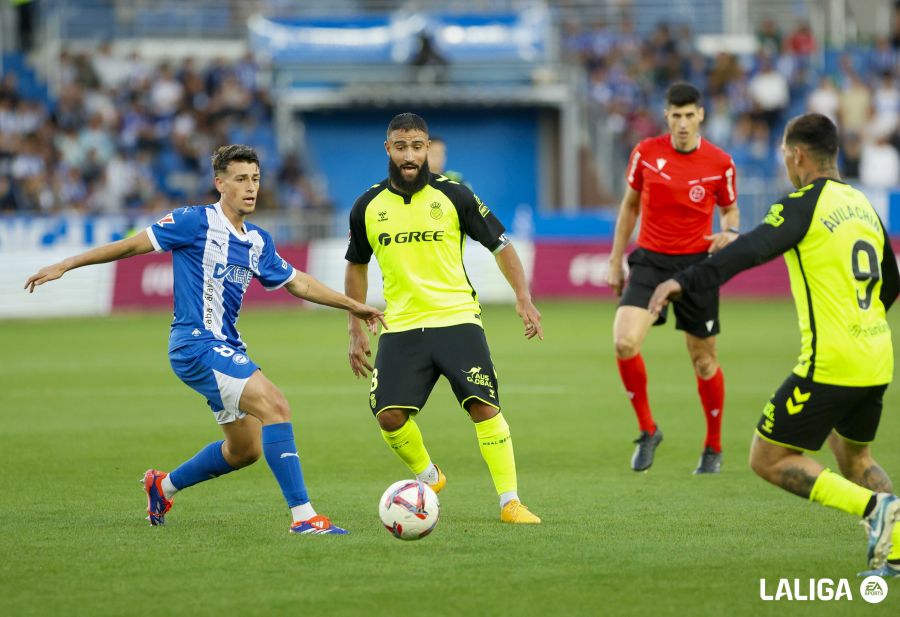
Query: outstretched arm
pixel 307 287
pixel 748 251
pixel 511 267
pixel 137 244
pixel 781 230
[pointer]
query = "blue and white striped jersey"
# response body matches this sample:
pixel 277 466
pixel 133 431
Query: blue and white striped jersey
pixel 213 264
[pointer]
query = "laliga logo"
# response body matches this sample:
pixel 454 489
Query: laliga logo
pixel 873 590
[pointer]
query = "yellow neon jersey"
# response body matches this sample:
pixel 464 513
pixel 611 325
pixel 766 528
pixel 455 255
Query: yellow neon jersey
pixel 419 242
pixel 843 275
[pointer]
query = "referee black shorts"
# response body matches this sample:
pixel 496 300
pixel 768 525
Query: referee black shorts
pixel 696 313
pixel 409 363
pixel 802 413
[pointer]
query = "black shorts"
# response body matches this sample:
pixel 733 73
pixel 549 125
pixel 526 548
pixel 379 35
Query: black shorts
pixel 802 413
pixel 696 313
pixel 409 363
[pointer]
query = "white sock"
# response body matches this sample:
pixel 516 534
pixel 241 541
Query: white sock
pixel 168 488
pixel 303 512
pixel 430 475
pixel 508 496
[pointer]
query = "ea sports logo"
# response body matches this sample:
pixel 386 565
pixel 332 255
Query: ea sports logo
pixel 384 239
pixel 873 589
pixel 697 194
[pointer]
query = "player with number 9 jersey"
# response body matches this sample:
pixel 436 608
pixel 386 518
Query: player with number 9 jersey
pixel 844 279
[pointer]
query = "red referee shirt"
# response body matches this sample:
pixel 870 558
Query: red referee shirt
pixel 679 191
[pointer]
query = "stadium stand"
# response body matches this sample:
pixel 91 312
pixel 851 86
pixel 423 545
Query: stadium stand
pixel 115 132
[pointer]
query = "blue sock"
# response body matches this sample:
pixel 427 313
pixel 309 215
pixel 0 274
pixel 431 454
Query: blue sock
pixel 281 455
pixel 207 464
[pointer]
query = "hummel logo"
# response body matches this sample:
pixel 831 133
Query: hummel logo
pixel 795 405
pixel 660 163
pixel 709 325
pixel 287 454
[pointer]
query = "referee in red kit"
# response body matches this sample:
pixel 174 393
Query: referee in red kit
pixel 675 182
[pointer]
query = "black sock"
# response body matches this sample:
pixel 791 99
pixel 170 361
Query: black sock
pixel 871 505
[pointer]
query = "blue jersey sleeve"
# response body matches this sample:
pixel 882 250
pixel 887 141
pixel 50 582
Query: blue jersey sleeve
pixel 177 229
pixel 273 270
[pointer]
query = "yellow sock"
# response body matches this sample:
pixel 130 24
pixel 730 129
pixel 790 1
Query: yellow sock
pixel 497 451
pixel 840 493
pixel 408 444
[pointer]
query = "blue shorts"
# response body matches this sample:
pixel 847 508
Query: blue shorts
pixel 216 370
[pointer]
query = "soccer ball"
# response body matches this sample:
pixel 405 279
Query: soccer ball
pixel 409 509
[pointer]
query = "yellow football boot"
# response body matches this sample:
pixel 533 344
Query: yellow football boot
pixel 516 512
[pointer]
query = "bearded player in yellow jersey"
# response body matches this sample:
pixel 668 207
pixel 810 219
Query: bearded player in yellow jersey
pixel 843 278
pixel 416 224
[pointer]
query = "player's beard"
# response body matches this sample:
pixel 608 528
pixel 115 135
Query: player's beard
pixel 408 187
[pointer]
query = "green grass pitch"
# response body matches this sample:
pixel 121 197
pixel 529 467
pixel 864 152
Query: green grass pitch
pixel 88 404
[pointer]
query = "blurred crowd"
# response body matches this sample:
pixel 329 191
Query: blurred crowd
pixel 122 135
pixel 748 98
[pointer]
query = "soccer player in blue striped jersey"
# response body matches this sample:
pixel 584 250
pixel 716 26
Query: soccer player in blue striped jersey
pixel 215 256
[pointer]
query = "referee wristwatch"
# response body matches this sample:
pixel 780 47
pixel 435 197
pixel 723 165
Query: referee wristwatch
pixel 734 230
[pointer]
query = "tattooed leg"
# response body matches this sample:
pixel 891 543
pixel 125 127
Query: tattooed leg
pixel 784 467
pixel 857 465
